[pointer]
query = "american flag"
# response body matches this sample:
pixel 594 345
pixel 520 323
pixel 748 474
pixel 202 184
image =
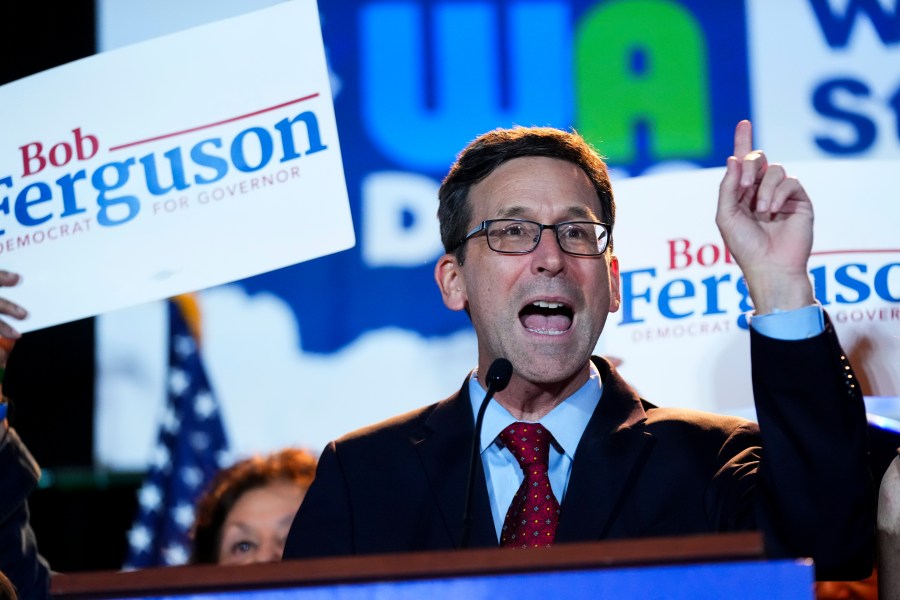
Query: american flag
pixel 190 448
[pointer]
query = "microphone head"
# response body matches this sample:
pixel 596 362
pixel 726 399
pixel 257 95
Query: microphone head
pixel 499 374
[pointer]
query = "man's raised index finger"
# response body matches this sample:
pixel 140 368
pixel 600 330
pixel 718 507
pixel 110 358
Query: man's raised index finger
pixel 743 139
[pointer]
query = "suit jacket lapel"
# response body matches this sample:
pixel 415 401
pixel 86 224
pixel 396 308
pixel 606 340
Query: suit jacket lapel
pixel 445 447
pixel 607 462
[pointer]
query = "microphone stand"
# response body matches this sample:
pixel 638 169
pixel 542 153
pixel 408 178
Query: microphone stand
pixel 498 376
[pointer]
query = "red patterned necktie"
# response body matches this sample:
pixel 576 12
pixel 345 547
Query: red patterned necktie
pixel 534 513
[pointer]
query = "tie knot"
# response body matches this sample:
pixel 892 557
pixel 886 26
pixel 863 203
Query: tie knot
pixel 528 442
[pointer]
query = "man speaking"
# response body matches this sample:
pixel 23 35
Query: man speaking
pixel 567 451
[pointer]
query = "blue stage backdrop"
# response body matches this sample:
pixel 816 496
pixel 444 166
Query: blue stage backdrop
pixel 303 354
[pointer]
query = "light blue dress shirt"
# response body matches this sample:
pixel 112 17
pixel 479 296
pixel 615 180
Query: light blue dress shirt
pixel 567 421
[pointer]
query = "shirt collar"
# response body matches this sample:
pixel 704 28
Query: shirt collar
pixel 567 421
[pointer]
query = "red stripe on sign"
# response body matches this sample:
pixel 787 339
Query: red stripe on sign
pixel 216 124
pixel 873 251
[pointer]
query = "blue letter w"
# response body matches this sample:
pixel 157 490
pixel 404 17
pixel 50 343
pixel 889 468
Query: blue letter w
pixel 425 95
pixel 837 28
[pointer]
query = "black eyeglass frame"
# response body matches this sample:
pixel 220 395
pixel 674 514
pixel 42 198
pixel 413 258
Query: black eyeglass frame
pixel 483 227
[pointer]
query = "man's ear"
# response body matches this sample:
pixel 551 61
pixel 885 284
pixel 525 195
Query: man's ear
pixel 615 298
pixel 449 277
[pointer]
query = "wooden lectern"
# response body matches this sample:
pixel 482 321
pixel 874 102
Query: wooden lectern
pixel 710 566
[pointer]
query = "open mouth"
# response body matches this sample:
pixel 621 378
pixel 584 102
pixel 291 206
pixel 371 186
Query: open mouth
pixel 549 318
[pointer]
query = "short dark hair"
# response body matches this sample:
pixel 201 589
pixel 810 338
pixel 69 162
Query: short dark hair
pixel 490 150
pixel 291 465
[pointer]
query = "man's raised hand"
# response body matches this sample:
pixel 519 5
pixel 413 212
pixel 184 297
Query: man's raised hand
pixel 766 220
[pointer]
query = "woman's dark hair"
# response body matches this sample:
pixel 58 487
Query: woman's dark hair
pixel 490 150
pixel 7 589
pixel 226 488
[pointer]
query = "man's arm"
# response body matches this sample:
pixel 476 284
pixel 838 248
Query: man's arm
pixel 814 494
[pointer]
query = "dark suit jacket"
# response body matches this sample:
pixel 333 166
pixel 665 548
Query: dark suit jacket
pixel 19 558
pixel 638 471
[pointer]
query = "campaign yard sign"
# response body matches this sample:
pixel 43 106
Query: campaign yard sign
pixel 682 324
pixel 172 165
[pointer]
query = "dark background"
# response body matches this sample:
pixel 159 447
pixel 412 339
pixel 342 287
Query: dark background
pixel 80 517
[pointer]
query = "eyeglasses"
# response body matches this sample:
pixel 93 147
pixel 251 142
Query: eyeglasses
pixel 518 236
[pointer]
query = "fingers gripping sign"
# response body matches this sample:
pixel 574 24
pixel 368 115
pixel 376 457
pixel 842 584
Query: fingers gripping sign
pixel 766 220
pixel 8 333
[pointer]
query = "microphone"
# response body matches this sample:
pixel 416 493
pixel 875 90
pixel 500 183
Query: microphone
pixel 497 378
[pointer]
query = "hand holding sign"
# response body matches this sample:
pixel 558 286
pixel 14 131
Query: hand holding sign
pixel 8 334
pixel 766 220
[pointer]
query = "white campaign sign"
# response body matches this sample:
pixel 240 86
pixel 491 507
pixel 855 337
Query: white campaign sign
pixel 126 178
pixel 679 333
pixel 824 78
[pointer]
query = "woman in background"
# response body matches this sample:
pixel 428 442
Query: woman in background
pixel 244 515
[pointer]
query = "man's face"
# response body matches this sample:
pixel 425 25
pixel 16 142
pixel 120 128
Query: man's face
pixel 543 311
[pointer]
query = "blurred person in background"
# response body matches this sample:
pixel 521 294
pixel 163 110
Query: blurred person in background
pixel 246 512
pixel 26 570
